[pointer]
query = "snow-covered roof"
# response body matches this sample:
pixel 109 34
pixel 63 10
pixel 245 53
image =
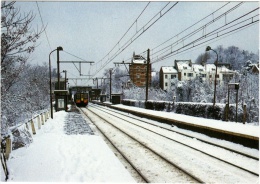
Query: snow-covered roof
pixel 212 68
pixel 183 65
pixel 256 66
pixel 169 69
pixel 137 59
pixel 198 68
pixel 225 70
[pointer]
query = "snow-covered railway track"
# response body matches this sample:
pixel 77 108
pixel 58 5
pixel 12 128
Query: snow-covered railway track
pixel 151 166
pixel 186 157
pixel 122 115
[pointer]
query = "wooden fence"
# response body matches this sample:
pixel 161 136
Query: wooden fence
pixel 30 125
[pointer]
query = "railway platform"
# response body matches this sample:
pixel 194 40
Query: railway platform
pixel 246 135
pixel 66 150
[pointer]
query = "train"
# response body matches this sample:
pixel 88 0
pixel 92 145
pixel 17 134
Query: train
pixel 81 99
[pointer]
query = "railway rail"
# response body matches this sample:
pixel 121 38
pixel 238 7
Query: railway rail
pixel 198 137
pixel 245 140
pixel 160 155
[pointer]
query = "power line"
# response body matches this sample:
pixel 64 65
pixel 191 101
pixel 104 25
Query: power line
pixel 181 40
pixel 125 32
pixel 217 35
pixel 132 39
pixel 74 55
pixel 43 26
pixel 192 25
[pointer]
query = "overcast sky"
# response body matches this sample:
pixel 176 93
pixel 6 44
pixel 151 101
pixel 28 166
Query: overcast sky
pixel 89 30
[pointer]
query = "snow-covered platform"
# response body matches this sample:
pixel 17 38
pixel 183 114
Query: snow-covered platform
pixel 58 156
pixel 245 134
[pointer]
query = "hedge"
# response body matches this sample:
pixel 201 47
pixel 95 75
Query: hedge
pixel 192 109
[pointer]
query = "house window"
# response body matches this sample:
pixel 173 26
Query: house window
pixel 137 76
pixel 184 74
pixel 166 83
pixel 203 75
pixel 166 76
pixel 185 68
pixel 173 76
pixel 190 74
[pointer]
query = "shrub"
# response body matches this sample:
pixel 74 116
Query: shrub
pixel 214 112
pixel 159 106
pixel 149 105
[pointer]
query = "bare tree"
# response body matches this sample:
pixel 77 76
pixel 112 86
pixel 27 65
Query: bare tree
pixel 18 41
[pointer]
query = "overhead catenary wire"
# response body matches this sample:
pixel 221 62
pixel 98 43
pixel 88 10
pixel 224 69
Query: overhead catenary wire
pixel 192 25
pixel 143 29
pixel 125 32
pixel 218 35
pixel 205 38
pixel 209 41
pixel 197 30
pixel 133 38
pixel 170 47
pixel 43 26
pixel 153 53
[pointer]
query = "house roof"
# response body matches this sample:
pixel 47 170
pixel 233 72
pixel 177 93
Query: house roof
pixel 137 59
pixel 255 67
pixel 183 65
pixel 212 67
pixel 198 68
pixel 169 69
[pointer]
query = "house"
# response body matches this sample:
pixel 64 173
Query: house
pixel 167 76
pixel 255 68
pixel 186 70
pixel 224 73
pixel 199 71
pixel 137 71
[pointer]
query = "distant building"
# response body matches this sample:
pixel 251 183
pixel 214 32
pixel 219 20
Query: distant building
pixel 137 71
pixel 186 70
pixel 200 71
pixel 255 68
pixel 167 76
pixel 224 73
pixel 252 67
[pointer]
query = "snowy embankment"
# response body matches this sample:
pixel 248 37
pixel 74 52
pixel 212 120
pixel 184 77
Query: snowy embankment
pixel 55 156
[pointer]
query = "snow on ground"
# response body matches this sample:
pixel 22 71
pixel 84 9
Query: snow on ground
pixel 62 153
pixel 55 156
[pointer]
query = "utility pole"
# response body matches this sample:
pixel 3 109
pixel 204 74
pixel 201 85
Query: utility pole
pixel 65 86
pixel 58 67
pixel 97 80
pixel 147 75
pixel 110 85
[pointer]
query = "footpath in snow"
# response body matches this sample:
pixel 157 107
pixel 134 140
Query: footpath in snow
pixel 66 150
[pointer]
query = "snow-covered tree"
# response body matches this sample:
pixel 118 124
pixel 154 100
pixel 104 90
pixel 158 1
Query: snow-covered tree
pixel 18 41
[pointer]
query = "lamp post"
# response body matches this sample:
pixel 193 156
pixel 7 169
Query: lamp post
pixel 58 48
pixel 58 65
pixel 65 71
pixel 215 82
